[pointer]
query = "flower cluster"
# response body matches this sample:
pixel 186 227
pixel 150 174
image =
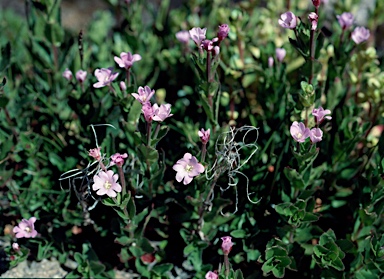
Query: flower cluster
pixel 105 181
pixel 359 34
pixel 80 75
pixel 198 35
pixel 151 112
pixel 300 133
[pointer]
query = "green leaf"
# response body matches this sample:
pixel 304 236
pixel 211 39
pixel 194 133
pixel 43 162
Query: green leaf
pixel 54 33
pixel 5 58
pixel 3 101
pixel 295 178
pixel 149 154
pixel 162 269
pixel 131 207
pixel 238 233
pixel 96 268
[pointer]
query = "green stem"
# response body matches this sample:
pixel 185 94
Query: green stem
pixel 122 180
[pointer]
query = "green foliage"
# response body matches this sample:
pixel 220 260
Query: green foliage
pixel 310 209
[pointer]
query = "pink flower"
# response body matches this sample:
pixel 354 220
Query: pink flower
pixel 187 168
pixel 26 228
pixel 313 17
pixel 345 20
pixel 145 94
pixel 183 36
pixel 360 34
pixel 15 246
pixel 81 75
pixel 316 3
pixel 204 135
pixel 126 59
pixel 147 110
pixel 162 112
pixel 288 20
pixel 270 61
pixel 207 45
pixel 316 135
pixel 227 244
pixel 106 183
pixel 320 114
pixel 95 153
pixel 211 275
pixel 299 132
pixel 104 76
pixel 223 32
pixel 197 35
pixel 280 54
pixel 123 86
pixel 67 74
pixel 118 159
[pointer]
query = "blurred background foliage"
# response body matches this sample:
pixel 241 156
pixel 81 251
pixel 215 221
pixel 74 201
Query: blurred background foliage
pixel 320 213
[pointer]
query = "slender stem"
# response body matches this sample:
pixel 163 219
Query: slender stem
pixel 128 77
pixel 226 263
pixel 122 180
pixel 157 130
pixel 102 166
pixel 208 67
pixel 149 131
pixel 201 208
pixel 203 152
pixel 55 57
pixel 112 90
